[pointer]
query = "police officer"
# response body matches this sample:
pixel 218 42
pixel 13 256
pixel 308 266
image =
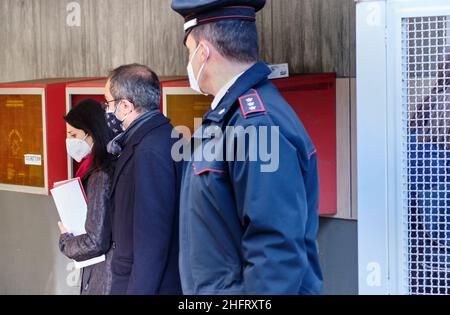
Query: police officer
pixel 249 219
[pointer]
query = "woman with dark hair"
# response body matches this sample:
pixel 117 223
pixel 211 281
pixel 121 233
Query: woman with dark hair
pixel 87 137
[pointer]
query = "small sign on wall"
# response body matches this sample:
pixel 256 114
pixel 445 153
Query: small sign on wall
pixel 33 159
pixel 279 71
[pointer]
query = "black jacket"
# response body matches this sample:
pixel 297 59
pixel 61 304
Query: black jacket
pixel 145 197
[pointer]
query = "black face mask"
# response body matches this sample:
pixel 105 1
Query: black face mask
pixel 113 123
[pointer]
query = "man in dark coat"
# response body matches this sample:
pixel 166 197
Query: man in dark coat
pixel 249 219
pixel 145 189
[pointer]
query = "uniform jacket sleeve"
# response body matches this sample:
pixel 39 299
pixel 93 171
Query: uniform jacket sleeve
pixel 274 210
pixel 97 239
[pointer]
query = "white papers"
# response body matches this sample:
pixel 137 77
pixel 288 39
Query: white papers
pixel 89 262
pixel 70 201
pixel 71 204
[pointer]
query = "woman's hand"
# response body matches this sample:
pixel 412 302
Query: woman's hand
pixel 62 228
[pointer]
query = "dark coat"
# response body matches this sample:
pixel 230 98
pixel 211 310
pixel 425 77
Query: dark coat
pixel 145 194
pixel 96 279
pixel 246 229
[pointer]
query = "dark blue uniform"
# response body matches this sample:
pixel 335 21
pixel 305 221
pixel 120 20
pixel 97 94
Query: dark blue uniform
pixel 245 231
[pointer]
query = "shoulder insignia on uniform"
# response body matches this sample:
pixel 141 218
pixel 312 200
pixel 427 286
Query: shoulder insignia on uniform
pixel 251 103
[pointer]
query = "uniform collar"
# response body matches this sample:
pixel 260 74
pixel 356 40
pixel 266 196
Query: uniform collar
pixel 224 90
pixel 256 74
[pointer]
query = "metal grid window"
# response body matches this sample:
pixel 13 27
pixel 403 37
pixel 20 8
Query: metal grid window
pixel 426 153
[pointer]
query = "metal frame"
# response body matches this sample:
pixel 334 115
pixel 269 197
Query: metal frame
pixel 30 189
pixel 175 90
pixel 78 91
pixel 398 223
pixel 382 225
pixel 372 154
pixel 167 90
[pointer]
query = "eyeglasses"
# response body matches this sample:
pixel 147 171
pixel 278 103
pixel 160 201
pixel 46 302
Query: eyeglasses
pixel 106 104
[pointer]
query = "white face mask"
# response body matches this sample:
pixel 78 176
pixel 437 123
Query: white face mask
pixel 78 149
pixel 194 81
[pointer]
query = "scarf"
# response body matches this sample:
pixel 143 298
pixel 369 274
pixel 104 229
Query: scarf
pixel 116 145
pixel 84 166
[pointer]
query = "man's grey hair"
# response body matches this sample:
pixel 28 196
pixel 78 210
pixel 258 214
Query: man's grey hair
pixel 236 40
pixel 138 84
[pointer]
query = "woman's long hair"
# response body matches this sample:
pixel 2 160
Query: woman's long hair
pixel 89 116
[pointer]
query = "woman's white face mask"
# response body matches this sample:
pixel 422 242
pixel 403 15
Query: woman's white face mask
pixel 78 149
pixel 194 80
